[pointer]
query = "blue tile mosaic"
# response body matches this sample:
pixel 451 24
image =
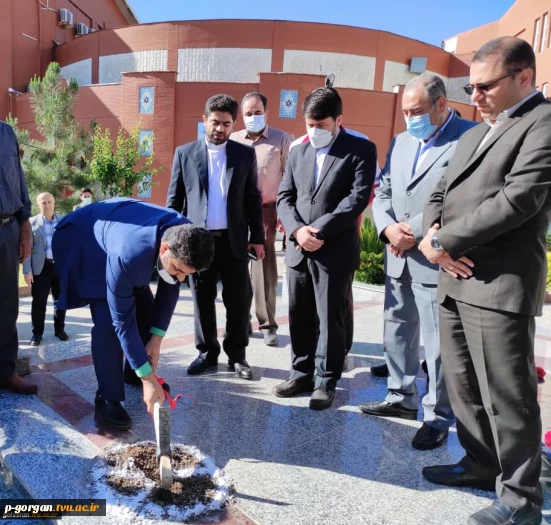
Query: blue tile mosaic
pixel 146 142
pixel 288 103
pixel 144 188
pixel 147 100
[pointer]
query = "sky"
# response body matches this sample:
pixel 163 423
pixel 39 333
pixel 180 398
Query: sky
pixel 428 20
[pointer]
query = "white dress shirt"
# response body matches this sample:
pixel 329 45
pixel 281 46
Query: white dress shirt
pixel 217 204
pixel 502 117
pixel 321 153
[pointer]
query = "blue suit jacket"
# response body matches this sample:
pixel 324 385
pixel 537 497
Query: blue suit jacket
pixel 107 250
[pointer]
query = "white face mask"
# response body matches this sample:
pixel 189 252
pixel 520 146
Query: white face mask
pixel 255 123
pixel 164 275
pixel 319 138
pixel 86 201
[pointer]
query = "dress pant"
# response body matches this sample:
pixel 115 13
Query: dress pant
pixel 236 295
pixel 9 292
pixel 107 352
pixel 42 284
pixel 264 273
pixel 488 359
pixel 318 306
pixel 349 320
pixel 411 309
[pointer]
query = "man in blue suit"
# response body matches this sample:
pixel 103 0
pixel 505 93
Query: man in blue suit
pixel 105 253
pixel 416 161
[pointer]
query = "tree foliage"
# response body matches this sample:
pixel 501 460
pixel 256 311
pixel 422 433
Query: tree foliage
pixel 119 168
pixel 58 163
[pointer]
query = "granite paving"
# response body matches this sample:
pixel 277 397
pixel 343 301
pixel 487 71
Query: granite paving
pixel 290 465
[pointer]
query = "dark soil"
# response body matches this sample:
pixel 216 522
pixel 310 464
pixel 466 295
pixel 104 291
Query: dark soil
pixel 185 492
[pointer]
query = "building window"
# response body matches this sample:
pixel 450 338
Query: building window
pixel 544 89
pixel 536 35
pixel 545 32
pixel 146 142
pixel 147 100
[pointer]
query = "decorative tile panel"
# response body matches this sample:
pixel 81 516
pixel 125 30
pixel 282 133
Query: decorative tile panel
pixel 288 103
pixel 146 142
pixel 144 188
pixel 200 130
pixel 147 100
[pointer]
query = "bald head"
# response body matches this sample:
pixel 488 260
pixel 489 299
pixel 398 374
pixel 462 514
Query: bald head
pixel 511 53
pixel 46 204
pixel 431 86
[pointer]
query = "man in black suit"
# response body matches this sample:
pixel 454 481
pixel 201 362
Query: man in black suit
pixel 325 189
pixel 214 184
pixel 493 206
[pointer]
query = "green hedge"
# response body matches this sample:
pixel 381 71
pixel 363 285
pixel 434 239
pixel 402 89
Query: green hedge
pixel 372 253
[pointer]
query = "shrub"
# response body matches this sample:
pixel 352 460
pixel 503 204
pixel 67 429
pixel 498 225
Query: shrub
pixel 549 271
pixel 548 239
pixel 372 250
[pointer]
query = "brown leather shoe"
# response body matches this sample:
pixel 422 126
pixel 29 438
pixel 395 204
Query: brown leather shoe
pixel 17 385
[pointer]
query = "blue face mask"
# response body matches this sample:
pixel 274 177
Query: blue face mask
pixel 420 126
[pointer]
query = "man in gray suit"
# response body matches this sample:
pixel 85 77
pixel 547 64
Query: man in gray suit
pixel 40 273
pixel 494 205
pixel 415 163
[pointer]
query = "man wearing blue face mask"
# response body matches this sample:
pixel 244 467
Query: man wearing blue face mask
pixel 271 147
pixel 104 256
pixel 416 161
pixel 326 187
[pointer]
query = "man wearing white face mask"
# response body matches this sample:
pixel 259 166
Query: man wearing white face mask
pixel 416 161
pixel 326 186
pixel 86 196
pixel 271 147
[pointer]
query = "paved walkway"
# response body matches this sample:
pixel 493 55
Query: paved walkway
pixel 290 465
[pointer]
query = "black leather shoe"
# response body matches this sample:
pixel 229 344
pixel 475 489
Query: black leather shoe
pixel 201 365
pixel 428 437
pixel 386 409
pixel 36 340
pixel 322 398
pixel 455 476
pixel 293 387
pixel 112 414
pixel 242 369
pixel 62 335
pixel 500 514
pixel 379 370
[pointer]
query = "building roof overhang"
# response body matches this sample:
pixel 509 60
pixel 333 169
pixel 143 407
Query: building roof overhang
pixel 127 12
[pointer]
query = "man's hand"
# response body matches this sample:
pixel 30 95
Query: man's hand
pixel 400 235
pixel 29 278
pixel 425 246
pixel 152 391
pixel 396 251
pixel 306 240
pixel 153 349
pixel 25 241
pixel 258 249
pixel 460 268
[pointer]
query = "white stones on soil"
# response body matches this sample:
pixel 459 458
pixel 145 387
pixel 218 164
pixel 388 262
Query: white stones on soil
pixel 137 508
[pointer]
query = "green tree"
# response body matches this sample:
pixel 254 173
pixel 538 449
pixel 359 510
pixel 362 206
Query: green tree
pixel 119 168
pixel 57 163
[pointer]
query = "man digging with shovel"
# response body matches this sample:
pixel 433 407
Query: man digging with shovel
pixel 104 254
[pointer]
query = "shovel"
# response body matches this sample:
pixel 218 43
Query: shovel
pixel 161 418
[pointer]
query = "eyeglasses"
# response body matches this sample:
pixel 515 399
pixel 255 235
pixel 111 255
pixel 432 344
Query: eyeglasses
pixel 469 88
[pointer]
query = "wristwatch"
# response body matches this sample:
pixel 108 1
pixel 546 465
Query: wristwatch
pixel 435 244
